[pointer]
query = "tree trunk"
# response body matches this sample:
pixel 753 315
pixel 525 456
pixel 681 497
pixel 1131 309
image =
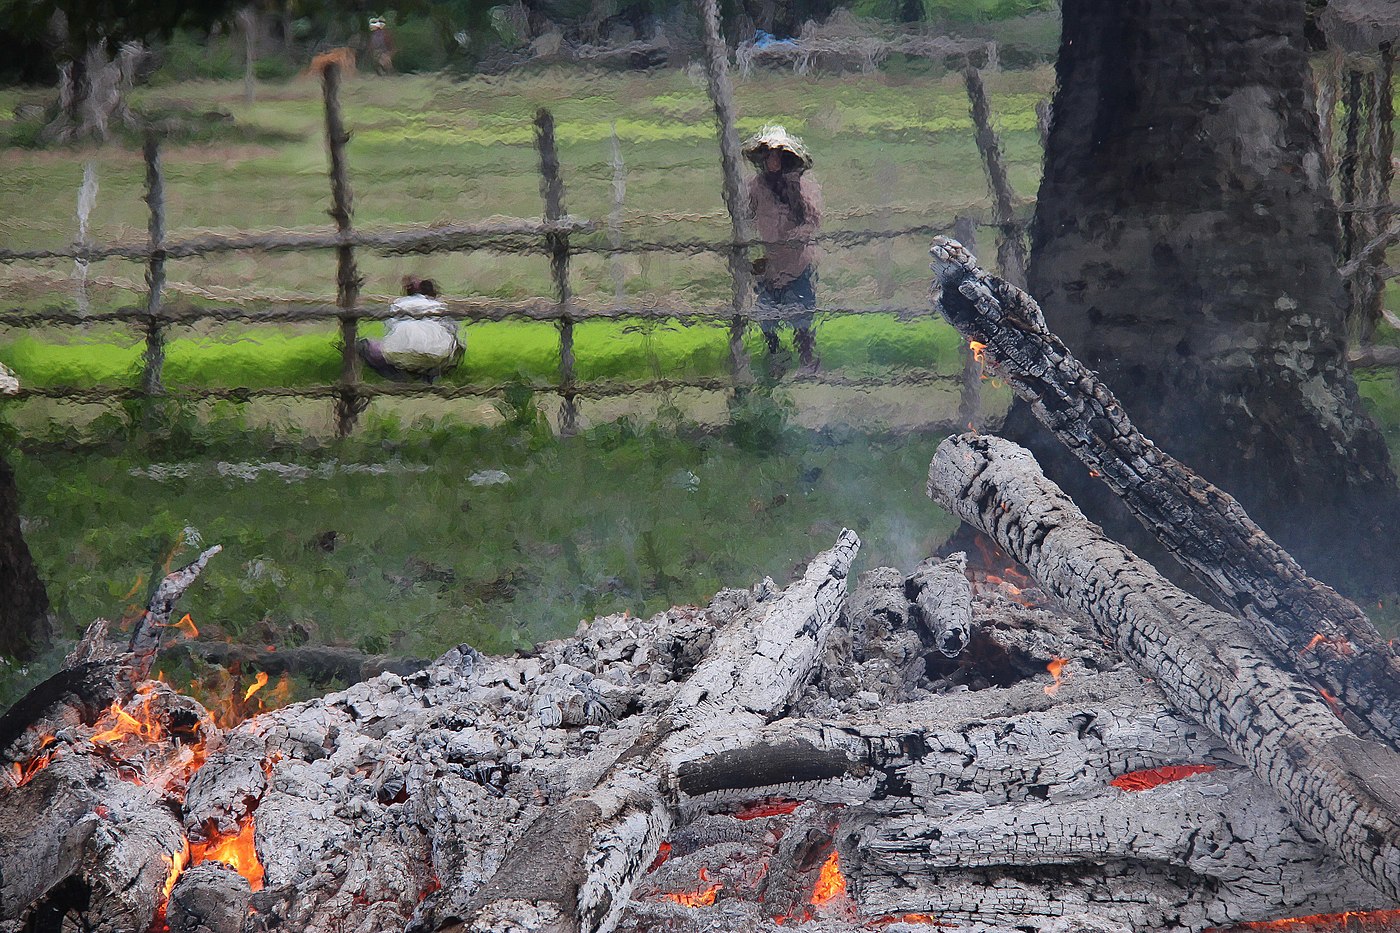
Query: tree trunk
pixel 1184 247
pixel 92 94
pixel 25 623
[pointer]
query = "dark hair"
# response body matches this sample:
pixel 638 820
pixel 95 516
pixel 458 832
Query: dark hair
pixel 428 288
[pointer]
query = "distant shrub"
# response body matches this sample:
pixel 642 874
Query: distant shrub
pixel 188 57
pixel 421 47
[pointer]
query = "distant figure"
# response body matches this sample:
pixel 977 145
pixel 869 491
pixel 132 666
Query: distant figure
pixel 381 47
pixel 342 57
pixel 415 347
pixel 786 205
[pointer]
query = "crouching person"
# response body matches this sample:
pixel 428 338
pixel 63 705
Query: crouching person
pixel 415 347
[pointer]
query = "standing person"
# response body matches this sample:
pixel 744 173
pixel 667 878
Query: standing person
pixel 381 46
pixel 786 205
pixel 415 347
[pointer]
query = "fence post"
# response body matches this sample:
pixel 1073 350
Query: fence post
pixel 552 191
pixel 1011 249
pixel 619 192
pixel 152 383
pixel 87 200
pixel 348 404
pixel 970 400
pixel 886 177
pixel 248 23
pixel 722 95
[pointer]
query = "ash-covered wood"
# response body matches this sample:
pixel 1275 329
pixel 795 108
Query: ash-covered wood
pixel 701 770
pixel 1342 788
pixel 1304 623
pixel 943 595
pixel 146 634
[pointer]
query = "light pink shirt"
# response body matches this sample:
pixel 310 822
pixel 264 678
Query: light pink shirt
pixel 774 224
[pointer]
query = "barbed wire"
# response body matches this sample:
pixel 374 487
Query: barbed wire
pixel 597 389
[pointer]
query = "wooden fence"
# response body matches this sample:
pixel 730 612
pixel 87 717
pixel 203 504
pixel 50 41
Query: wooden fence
pixel 556 235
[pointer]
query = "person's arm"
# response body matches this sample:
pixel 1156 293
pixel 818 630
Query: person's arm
pixel 811 209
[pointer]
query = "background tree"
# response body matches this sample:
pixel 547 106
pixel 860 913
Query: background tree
pixel 1184 246
pixel 86 36
pixel 25 623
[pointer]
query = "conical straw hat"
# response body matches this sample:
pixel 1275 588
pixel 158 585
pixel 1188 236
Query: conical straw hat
pixel 776 137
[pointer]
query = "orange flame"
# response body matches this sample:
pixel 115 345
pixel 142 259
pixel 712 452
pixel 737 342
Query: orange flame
pixel 24 773
pixel 1055 666
pixel 186 626
pixel 831 884
pixel 1152 777
pixel 258 683
pixel 121 724
pixel 703 897
pixel 234 850
pixel 978 350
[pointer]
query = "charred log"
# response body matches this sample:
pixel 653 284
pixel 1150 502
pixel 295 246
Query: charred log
pixel 1184 245
pixel 1344 789
pixel 26 625
pixel 1305 624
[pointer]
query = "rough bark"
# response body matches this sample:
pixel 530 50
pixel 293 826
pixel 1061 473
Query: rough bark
pixel 1184 245
pixel 1343 789
pixel 1306 624
pixel 26 625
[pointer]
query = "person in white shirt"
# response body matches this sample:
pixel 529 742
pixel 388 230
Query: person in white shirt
pixel 415 347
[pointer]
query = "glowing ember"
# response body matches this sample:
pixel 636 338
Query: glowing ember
pixel 924 919
pixel 236 851
pixel 704 897
pixel 1352 921
pixel 24 773
pixel 1154 777
pixel 1339 645
pixel 1055 666
pixel 756 811
pixel 258 683
pixel 831 884
pixel 1331 702
pixel 662 854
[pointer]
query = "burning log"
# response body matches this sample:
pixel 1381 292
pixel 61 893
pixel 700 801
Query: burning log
pixel 575 870
pixel 1305 624
pixel 1343 788
pixel 146 634
pixel 775 758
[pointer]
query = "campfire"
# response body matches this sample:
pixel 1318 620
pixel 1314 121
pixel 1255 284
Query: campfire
pixel 1046 735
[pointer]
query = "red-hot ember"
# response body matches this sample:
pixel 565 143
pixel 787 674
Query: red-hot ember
pixel 1350 921
pixel 1155 777
pixel 702 897
pixel 759 810
pixel 1055 667
pixel 662 854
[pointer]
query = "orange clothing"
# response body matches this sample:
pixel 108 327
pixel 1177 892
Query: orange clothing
pixel 776 226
